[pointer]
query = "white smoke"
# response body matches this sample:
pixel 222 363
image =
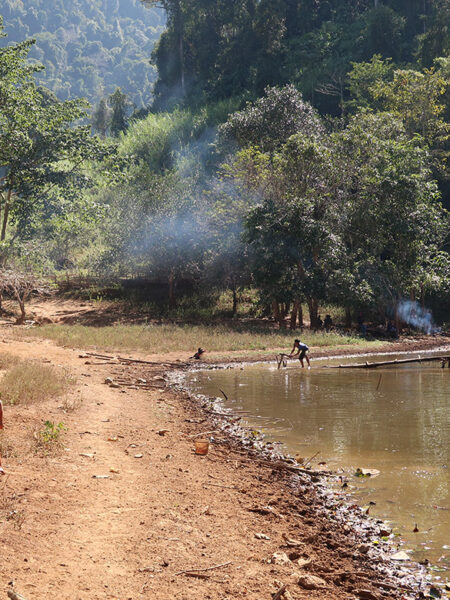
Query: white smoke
pixel 421 318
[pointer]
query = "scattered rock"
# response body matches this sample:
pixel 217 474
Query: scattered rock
pixel 100 476
pixel 279 558
pixel 402 555
pixel 304 562
pixel 114 470
pixel 311 582
pixel 138 455
pixel 163 431
pixel 435 592
pixel 261 536
pixel 363 548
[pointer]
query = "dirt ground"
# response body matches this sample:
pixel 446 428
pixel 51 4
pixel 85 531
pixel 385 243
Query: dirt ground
pixel 125 510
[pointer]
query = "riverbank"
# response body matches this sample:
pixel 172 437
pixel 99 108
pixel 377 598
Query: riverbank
pixel 125 508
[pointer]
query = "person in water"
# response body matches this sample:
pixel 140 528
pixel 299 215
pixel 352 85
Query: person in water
pixel 300 351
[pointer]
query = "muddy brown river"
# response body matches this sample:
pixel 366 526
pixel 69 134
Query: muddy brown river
pixel 394 419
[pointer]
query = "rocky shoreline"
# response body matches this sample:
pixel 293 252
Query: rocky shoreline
pixel 380 568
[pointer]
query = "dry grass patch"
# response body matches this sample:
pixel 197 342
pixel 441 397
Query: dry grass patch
pixel 154 339
pixel 27 382
pixel 7 361
pixel 6 445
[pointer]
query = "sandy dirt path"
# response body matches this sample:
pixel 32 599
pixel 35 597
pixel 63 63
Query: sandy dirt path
pixel 65 534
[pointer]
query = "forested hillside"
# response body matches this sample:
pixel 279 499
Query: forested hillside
pixel 89 47
pixel 213 50
pixel 323 189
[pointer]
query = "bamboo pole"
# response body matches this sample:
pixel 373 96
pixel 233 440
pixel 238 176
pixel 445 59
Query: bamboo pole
pixel 374 365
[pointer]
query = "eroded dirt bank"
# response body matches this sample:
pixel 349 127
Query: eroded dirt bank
pixel 161 509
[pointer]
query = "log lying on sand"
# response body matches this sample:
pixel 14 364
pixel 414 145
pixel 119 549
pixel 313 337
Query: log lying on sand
pixel 373 365
pixel 15 596
pixel 127 361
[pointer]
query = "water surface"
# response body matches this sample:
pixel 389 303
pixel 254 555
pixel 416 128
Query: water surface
pixel 395 419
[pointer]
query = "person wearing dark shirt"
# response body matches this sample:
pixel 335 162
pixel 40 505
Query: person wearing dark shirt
pixel 361 324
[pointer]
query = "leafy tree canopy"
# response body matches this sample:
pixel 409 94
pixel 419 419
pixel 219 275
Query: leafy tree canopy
pixel 89 47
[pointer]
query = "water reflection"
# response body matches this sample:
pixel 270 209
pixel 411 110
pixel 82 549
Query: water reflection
pixel 396 420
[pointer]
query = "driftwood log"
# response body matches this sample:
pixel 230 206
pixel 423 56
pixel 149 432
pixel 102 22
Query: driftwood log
pixel 15 596
pixel 373 365
pixel 127 361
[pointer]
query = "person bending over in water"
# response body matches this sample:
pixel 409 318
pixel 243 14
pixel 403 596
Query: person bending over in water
pixel 300 351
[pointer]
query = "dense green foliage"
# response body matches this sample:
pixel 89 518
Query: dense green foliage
pixel 44 152
pixel 212 50
pixel 88 47
pixel 215 193
pixel 343 212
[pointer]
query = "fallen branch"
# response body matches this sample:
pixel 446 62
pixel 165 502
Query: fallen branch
pixel 125 360
pixel 280 593
pixel 204 433
pixel 14 596
pixel 374 365
pixel 283 466
pixel 203 570
pixel 310 459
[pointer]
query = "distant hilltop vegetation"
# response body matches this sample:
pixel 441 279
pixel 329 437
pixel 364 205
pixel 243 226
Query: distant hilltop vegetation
pixel 88 47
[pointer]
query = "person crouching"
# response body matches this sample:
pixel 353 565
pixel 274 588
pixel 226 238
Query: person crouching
pixel 300 350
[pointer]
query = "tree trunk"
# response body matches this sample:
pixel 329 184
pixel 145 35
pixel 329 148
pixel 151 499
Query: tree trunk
pixel 5 215
pixel 348 317
pixel 235 303
pixel 294 314
pixel 278 314
pixel 181 49
pixel 300 315
pixel 172 299
pixel 21 319
pixel 179 28
pixel 422 295
pixel 313 306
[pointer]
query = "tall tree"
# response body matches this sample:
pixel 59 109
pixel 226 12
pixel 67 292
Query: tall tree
pixel 118 102
pixel 175 14
pixel 101 118
pixel 42 148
